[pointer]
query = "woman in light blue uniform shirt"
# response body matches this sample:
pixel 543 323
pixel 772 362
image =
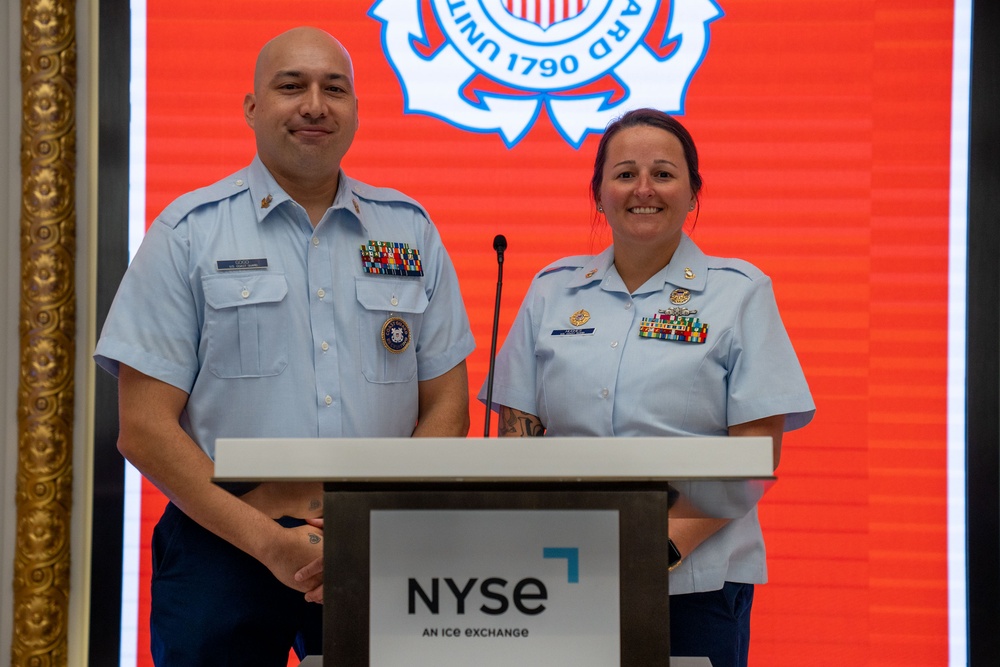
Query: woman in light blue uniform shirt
pixel 652 337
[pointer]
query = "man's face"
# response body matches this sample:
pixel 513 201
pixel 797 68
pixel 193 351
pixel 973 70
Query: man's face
pixel 303 110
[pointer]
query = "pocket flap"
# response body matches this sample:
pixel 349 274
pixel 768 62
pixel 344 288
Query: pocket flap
pixel 392 295
pixel 231 291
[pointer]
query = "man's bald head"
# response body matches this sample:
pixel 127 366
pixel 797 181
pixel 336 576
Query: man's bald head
pixel 304 109
pixel 303 37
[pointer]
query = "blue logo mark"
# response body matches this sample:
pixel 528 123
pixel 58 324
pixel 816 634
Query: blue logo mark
pixel 572 556
pixel 493 65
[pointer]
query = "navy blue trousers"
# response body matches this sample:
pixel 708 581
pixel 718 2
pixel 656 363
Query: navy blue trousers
pixel 214 605
pixel 714 624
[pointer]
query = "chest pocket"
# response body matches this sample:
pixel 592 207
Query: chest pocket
pixel 245 329
pixel 380 300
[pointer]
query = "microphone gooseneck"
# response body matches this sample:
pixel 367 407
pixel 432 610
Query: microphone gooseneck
pixel 499 245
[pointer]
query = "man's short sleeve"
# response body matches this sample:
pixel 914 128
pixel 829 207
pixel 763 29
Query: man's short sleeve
pixel 153 325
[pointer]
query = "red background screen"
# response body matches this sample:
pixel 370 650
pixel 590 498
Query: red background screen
pixel 824 135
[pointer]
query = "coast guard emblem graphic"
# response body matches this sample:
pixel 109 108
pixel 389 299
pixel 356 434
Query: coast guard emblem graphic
pixel 492 65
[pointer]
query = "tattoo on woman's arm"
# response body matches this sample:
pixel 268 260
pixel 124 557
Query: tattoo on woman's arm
pixel 517 423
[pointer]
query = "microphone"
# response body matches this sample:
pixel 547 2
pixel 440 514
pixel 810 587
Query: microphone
pixel 499 244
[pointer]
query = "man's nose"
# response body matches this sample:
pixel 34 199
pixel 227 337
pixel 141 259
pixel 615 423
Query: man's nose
pixel 313 104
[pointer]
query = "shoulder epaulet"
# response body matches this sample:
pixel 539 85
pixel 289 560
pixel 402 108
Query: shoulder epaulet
pixel 210 194
pixel 386 196
pixel 565 264
pixel 738 265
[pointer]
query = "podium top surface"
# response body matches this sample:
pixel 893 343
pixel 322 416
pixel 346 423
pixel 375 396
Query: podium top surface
pixel 492 459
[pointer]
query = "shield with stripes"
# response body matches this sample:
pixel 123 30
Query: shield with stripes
pixel 544 13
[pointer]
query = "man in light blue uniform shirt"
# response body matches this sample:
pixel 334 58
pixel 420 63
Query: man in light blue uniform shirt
pixel 287 300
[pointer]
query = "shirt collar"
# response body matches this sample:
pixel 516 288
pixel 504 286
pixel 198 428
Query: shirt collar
pixel 348 199
pixel 268 195
pixel 688 268
pixel 594 270
pixel 265 192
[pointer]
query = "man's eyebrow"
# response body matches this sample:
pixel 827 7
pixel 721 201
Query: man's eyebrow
pixel 294 74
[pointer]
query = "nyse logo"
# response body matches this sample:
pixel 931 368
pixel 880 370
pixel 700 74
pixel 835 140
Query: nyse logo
pixel 492 65
pixel 527 595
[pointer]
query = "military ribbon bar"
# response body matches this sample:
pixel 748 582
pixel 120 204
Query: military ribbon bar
pixel 391 259
pixel 674 327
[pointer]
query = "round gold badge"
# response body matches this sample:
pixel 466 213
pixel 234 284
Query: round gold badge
pixel 579 318
pixel 680 296
pixel 395 335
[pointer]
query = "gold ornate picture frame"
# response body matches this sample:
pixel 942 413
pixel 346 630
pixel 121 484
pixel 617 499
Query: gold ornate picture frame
pixel 47 332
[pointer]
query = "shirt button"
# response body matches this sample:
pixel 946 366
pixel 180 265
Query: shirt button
pixel 325 346
pixel 614 344
pixel 628 306
pixel 321 292
pixel 328 400
pixel 239 181
pixel 245 293
pixel 394 301
pixel 315 241
pixel 605 392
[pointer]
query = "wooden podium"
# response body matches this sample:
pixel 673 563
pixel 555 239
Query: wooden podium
pixel 376 488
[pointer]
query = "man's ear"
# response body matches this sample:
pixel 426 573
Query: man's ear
pixel 249 107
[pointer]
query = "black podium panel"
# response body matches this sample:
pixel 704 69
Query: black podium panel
pixel 642 548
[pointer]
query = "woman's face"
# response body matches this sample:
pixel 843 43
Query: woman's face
pixel 646 189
